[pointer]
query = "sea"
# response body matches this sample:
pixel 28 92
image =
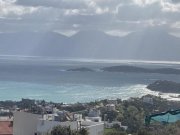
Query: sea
pixel 46 78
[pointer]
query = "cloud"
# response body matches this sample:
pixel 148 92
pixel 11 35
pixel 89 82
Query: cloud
pixel 8 8
pixel 67 4
pixel 66 32
pixel 114 16
pixel 118 33
pixel 72 12
pixel 135 12
pixel 176 25
pixel 175 1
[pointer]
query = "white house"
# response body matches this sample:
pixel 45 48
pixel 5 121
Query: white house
pixel 110 107
pixel 32 124
pixel 94 128
pixel 112 101
pixel 94 113
pixel 148 100
pixel 77 117
pixel 44 126
pixel 110 125
pixel 93 119
pixel 24 123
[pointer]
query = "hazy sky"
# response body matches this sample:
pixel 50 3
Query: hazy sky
pixel 69 16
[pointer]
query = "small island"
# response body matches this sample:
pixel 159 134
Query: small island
pixel 165 86
pixel 124 68
pixel 134 69
pixel 130 69
pixel 83 69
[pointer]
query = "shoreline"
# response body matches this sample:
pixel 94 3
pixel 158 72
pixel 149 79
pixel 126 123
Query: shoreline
pixel 96 94
pixel 167 96
pixel 128 112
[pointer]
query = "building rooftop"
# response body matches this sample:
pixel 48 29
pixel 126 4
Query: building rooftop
pixel 6 128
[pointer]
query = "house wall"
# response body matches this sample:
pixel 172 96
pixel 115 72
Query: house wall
pixel 25 123
pixel 94 128
pixel 47 126
pixel 29 124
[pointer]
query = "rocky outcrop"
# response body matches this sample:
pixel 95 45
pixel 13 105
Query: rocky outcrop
pixel 165 86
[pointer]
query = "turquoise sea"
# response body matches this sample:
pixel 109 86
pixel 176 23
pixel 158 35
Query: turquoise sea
pixel 48 79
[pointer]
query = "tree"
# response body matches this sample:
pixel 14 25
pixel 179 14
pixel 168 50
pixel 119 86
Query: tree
pixel 111 115
pixel 143 132
pixel 83 131
pixel 114 132
pixel 59 130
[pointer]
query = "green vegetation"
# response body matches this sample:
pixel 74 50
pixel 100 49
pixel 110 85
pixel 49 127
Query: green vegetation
pixel 59 130
pixel 130 113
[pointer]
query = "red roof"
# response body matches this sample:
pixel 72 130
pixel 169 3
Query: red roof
pixel 6 128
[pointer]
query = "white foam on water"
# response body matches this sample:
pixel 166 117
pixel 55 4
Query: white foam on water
pixel 168 96
pixel 72 93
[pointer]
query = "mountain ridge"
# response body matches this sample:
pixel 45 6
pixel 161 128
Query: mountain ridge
pixel 144 45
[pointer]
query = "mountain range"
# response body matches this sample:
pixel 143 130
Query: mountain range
pixel 143 45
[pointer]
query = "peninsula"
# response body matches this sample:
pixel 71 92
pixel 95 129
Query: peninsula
pixel 165 86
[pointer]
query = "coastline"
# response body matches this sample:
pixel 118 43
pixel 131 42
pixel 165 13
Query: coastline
pixel 166 96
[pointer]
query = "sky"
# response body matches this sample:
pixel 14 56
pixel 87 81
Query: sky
pixel 115 17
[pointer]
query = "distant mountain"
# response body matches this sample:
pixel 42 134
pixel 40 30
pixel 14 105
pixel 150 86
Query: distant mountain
pixel 151 44
pixel 32 43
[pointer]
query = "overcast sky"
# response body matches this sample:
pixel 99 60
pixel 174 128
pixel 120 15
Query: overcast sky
pixel 69 16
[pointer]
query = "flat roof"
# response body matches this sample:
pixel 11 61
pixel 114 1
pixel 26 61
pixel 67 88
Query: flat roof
pixel 6 128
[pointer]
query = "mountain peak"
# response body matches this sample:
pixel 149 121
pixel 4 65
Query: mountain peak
pixel 149 44
pixel 90 33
